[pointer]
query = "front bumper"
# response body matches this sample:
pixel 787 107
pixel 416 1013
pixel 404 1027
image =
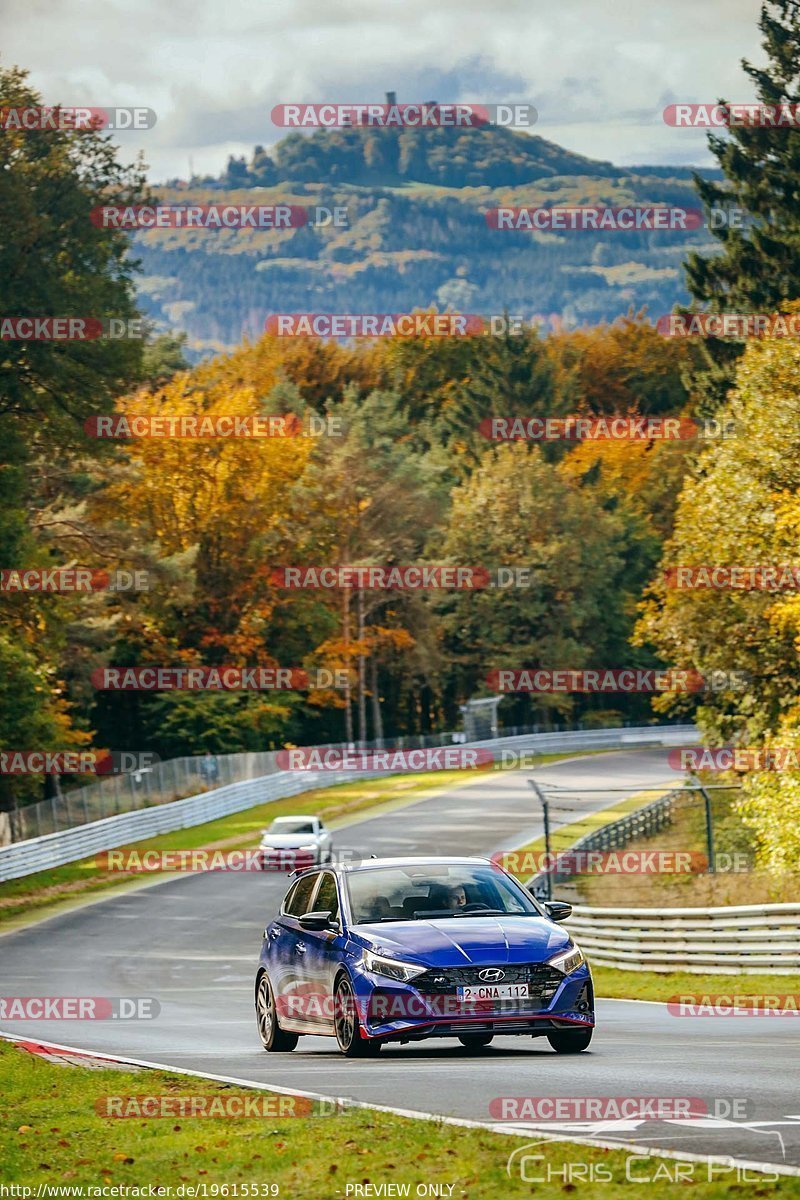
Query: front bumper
pixel 288 860
pixel 391 1010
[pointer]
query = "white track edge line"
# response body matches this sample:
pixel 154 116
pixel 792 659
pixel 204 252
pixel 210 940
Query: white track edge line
pixel 463 1122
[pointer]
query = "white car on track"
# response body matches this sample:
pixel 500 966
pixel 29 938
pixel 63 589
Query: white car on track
pixel 294 842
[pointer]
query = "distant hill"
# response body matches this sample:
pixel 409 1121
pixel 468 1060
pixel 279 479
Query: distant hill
pixel 417 234
pixel 482 157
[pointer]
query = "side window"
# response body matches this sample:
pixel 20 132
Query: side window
pixel 297 900
pixel 287 900
pixel 327 898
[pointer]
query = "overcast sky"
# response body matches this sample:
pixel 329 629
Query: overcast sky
pixel 600 72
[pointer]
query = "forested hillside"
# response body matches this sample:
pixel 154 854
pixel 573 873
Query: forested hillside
pixel 416 237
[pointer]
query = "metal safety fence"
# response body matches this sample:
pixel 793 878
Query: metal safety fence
pixel 59 847
pixel 747 938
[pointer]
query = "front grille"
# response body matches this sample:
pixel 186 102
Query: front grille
pixel 543 980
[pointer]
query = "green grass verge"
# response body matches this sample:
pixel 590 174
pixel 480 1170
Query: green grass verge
pixel 651 985
pixel 52 1134
pixel 50 890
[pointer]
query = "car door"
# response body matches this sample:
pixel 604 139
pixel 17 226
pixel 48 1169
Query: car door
pixel 286 950
pixel 322 955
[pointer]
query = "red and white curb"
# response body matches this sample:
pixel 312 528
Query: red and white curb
pixel 66 1056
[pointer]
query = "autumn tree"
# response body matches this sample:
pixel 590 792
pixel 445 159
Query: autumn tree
pixel 740 508
pixel 367 498
pixel 54 262
pixel 518 510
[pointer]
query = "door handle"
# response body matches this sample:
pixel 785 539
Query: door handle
pixel 301 947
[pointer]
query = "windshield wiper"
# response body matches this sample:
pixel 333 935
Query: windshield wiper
pixel 380 920
pixel 484 912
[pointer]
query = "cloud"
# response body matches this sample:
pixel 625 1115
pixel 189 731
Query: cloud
pixel 599 73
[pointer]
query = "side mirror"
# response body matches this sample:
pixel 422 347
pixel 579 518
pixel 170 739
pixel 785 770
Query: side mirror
pixel 557 910
pixel 317 920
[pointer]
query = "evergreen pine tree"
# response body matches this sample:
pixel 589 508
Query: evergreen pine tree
pixel 758 268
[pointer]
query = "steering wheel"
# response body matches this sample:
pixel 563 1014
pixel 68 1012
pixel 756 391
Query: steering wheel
pixel 474 908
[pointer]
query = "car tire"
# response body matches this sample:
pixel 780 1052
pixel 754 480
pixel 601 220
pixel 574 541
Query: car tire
pixel 475 1041
pixel 345 1022
pixel 273 1038
pixel 571 1041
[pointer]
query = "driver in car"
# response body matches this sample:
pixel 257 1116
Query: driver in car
pixel 456 897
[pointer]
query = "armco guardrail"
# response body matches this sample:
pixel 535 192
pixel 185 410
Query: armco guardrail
pixel 163 782
pixel 754 938
pixel 71 845
pixel 643 822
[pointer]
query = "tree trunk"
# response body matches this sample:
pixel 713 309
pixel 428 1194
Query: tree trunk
pixel 348 711
pixel 362 673
pixel 377 716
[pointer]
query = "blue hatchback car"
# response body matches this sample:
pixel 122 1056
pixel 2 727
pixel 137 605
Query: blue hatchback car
pixel 405 949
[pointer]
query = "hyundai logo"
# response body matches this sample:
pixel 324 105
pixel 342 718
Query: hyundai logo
pixel 491 975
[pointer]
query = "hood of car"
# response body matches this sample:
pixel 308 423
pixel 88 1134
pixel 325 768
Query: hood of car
pixel 289 841
pixel 460 941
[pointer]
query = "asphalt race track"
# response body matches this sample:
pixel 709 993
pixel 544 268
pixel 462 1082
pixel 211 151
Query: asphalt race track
pixel 192 942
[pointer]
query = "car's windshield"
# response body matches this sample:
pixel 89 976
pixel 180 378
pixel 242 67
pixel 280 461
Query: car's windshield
pixel 291 825
pixel 416 893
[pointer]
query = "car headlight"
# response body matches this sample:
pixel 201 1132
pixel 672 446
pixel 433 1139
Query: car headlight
pixel 392 968
pixel 567 960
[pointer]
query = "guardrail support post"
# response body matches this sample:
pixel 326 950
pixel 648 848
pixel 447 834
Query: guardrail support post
pixel 709 830
pixel 546 815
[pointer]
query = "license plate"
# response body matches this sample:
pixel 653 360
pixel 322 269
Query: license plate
pixel 494 991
